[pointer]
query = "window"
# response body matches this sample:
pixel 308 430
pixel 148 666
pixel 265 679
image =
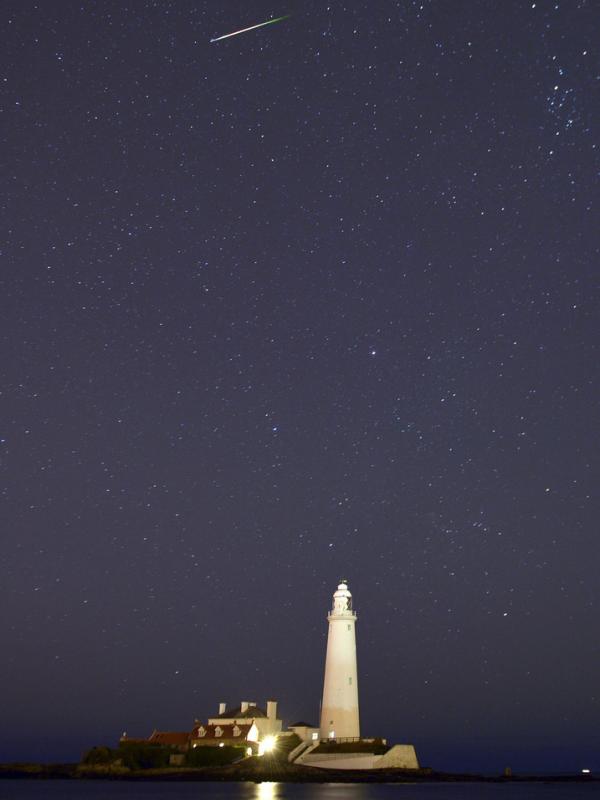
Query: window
pixel 201 731
pixel 349 626
pixel 236 730
pixel 350 681
pixel 218 731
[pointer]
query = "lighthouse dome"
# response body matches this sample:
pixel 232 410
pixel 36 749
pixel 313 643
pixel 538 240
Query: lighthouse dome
pixel 342 599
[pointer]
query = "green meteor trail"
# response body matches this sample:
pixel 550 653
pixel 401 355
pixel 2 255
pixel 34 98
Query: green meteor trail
pixel 251 28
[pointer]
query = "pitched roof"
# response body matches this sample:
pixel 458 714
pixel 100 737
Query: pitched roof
pixel 169 737
pixel 227 731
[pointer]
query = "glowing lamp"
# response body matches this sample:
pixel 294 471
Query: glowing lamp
pixel 267 745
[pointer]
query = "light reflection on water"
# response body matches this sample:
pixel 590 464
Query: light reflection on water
pixel 298 791
pixel 322 791
pixel 268 791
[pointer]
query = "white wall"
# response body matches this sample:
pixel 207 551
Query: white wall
pixel 341 760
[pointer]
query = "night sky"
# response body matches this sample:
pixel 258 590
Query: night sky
pixel 317 301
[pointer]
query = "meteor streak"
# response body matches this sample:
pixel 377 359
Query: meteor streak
pixel 251 28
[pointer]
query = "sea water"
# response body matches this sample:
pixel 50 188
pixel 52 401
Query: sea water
pixel 129 790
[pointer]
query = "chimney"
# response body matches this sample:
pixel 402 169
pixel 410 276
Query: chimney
pixel 244 706
pixel 222 708
pixel 272 709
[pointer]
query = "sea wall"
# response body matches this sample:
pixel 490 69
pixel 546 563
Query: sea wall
pixel 400 756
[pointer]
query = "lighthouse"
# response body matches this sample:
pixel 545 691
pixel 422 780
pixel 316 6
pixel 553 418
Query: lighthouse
pixel 339 709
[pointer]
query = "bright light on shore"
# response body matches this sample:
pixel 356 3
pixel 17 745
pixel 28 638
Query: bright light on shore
pixel 267 745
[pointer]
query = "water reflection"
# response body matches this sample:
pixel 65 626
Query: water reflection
pixel 267 791
pixel 126 790
pixel 322 791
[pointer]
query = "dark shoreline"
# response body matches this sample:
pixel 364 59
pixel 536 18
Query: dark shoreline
pixel 276 773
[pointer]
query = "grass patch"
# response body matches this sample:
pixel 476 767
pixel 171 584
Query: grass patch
pixel 375 746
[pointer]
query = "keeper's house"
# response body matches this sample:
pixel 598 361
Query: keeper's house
pixel 246 724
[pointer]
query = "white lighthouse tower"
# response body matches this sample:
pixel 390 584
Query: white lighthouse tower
pixel 339 710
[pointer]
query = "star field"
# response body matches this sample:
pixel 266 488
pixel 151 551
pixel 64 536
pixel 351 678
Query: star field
pixel 318 300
